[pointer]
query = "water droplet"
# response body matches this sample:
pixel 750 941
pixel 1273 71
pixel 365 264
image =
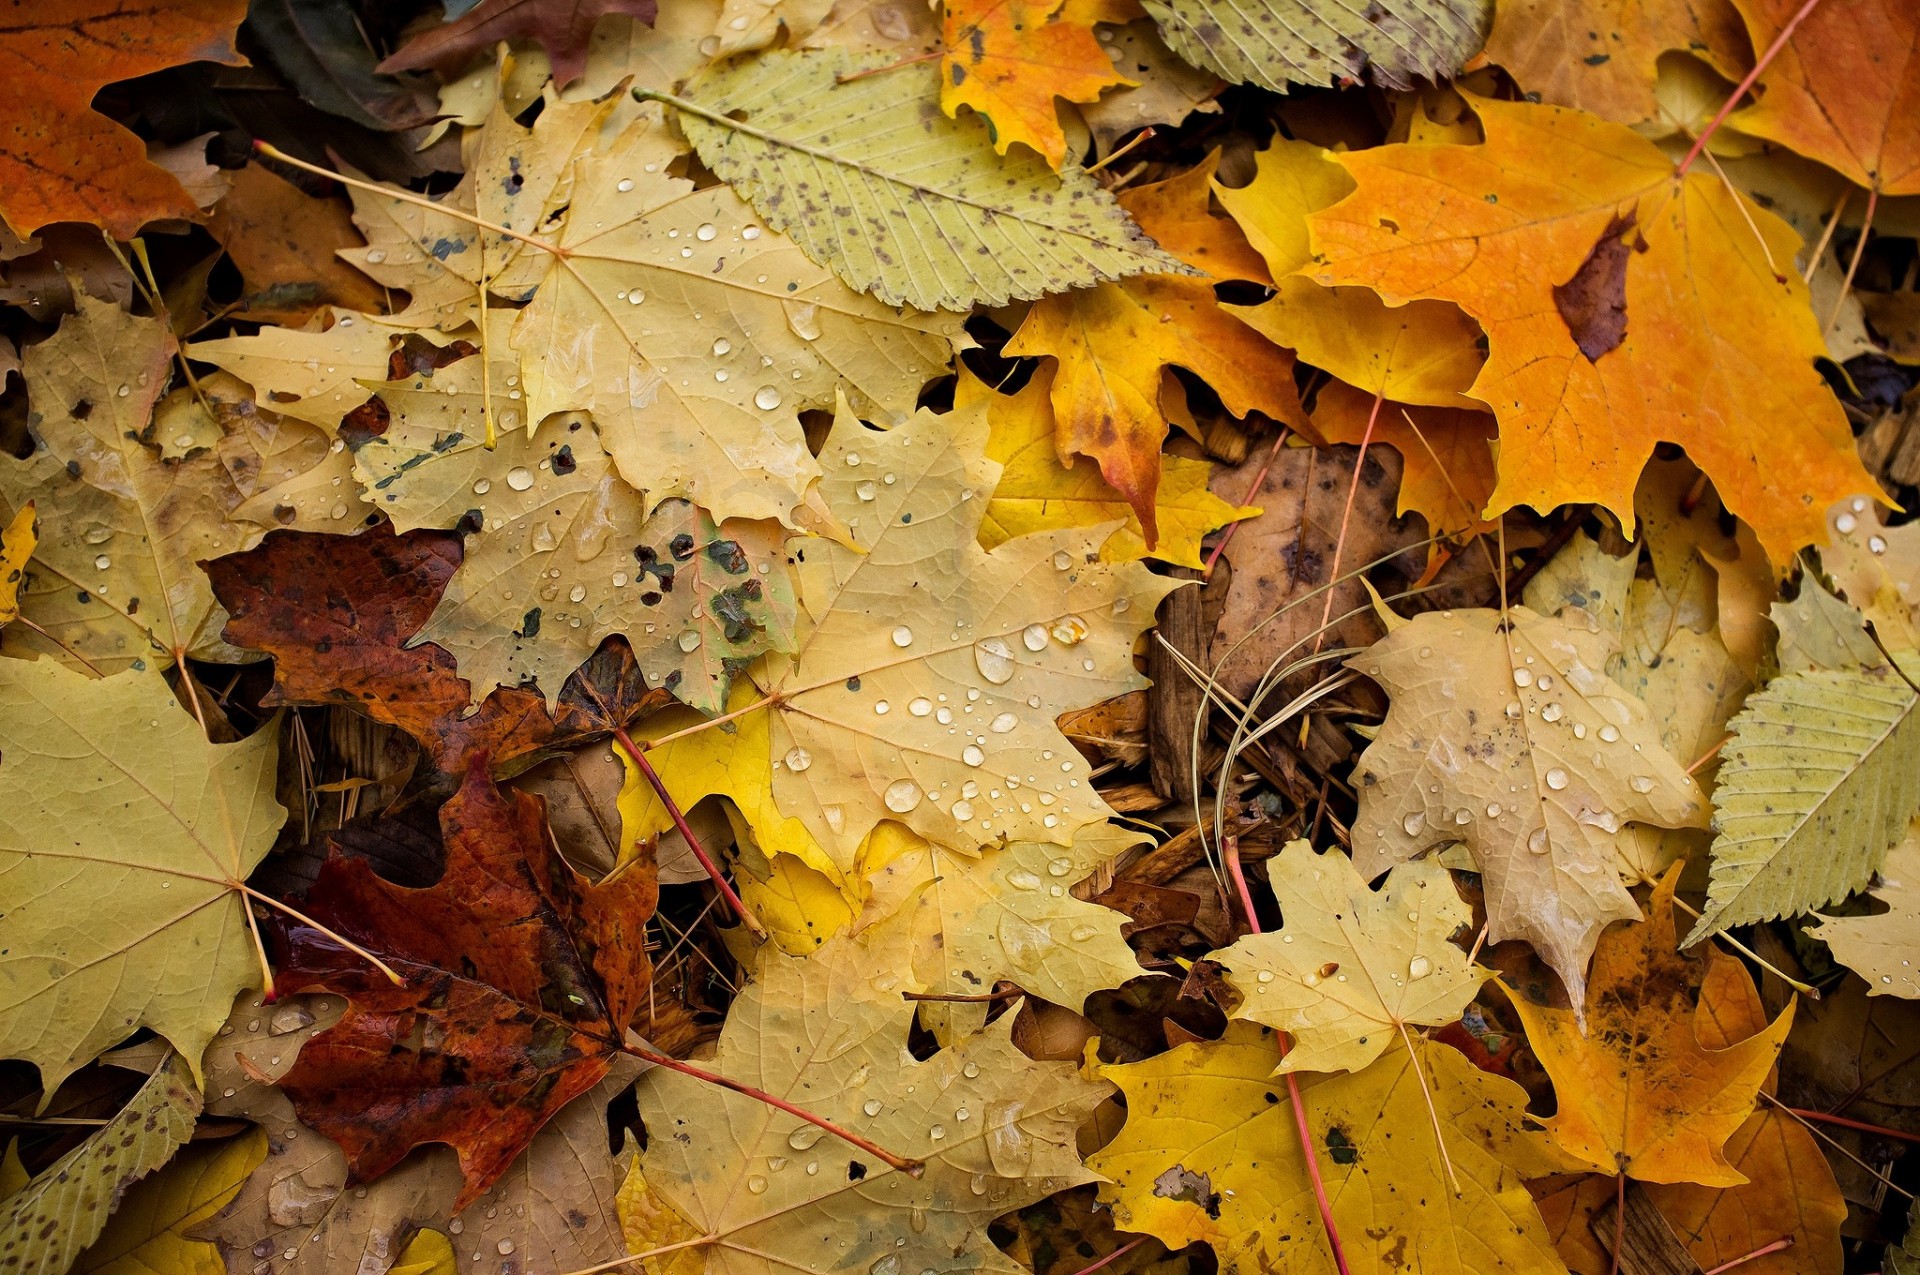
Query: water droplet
pixel 706 232
pixel 1003 723
pixel 376 255
pixel 578 593
pixel 1265 976
pixel 962 811
pixel 624 185
pixel 722 347
pixel 1034 637
pixel 1556 779
pixel 1062 560
pixel 1021 879
pixel 1493 810
pixel 902 795
pixel 757 1184
pixel 99 535
pixel 1414 822
pixel 798 759
pixel 1070 631
pixel 972 755
pixel 902 636
pixel 339 510
pixel 504 1248
pixel 766 398
pixel 1514 711
pixel 635 297
pixel 519 478
pixel 937 1132
pixel 1463 817
pixel 871 1106
pixel 804 1137
pixel 102 562
pixel 994 660
pixel 1522 677
pixel 1640 783
pixel 688 641
pixel 481 486
pixel 1609 734
pixel 1552 712
pixel 1579 730
pixel 1845 524
pixel 1419 967
pixel 1877 544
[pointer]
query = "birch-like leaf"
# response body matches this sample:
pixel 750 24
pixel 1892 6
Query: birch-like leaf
pixel 871 178
pixel 64 1209
pixel 768 1191
pixel 115 808
pixel 1510 738
pixel 1275 43
pixel 1821 776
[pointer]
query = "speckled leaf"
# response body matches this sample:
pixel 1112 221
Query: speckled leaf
pixel 64 1209
pixel 872 179
pixel 1275 43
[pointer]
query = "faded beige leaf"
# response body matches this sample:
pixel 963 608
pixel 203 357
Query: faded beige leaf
pixel 1884 947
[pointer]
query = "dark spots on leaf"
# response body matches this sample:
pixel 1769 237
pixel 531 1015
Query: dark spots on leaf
pixel 530 625
pixel 82 409
pixel 1340 1148
pixel 1182 1183
pixel 1593 303
pixel 729 556
pixel 959 74
pixel 681 547
pixel 855 1171
pixel 1597 58
pixel 853 683
pixel 563 461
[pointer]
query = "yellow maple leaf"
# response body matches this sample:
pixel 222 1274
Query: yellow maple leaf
pixel 1447 453
pixel 1623 306
pixel 1037 492
pixel 1009 60
pixel 16 547
pixel 1112 344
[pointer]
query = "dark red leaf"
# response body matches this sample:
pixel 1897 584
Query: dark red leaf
pixel 521 981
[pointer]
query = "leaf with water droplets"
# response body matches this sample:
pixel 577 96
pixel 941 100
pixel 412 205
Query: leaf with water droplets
pixel 929 671
pixel 1884 948
pixel 1352 967
pixel 1512 739
pixel 996 1131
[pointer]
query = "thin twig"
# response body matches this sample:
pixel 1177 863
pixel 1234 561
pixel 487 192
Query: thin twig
pixel 335 935
pixel 1740 89
pixel 1814 1129
pixel 1846 1122
pixel 1859 251
pixel 1777 1246
pixel 720 881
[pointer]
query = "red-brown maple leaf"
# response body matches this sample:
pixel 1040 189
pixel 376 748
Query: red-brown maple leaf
pixel 563 28
pixel 521 980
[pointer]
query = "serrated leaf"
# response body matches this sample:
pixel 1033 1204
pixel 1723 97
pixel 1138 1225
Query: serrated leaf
pixel 1275 43
pixel 149 1233
pixel 869 177
pixel 1819 780
pixel 996 1130
pixel 60 1212
pixel 113 806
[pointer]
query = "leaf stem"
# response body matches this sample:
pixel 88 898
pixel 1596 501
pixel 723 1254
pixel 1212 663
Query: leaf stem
pixel 1230 853
pixel 720 882
pixel 615 1263
pixel 1777 1246
pixel 1740 89
pixel 959 999
pixel 1845 1122
pixel 335 935
pixel 912 1168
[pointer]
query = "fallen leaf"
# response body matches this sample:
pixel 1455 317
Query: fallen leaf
pixel 280 239
pixel 562 27
pixel 1446 454
pixel 1882 948
pixel 1209 1152
pixel 1844 89
pixel 325 55
pixel 149 1231
pixel 16 547
pixel 59 160
pixel 1537 234
pixel 1352 968
pixel 1602 55
pixel 1168 93
pixel 113 802
pixel 1037 232
pixel 994 1128
pixel 1506 734
pixel 1009 60
pixel 65 1208
pixel 1639 1092
pixel 1036 492
pixel 1317 42
pixel 1113 344
pixel 522 979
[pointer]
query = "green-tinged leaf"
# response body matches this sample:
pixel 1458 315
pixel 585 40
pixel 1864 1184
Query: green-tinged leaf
pixel 1275 43
pixel 873 180
pixel 61 1212
pixel 148 1234
pixel 124 836
pixel 1820 778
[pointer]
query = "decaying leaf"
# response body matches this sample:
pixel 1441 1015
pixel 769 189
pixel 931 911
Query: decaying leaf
pixel 152 1229
pixel 1639 1093
pixel 1317 42
pixel 1352 969
pixel 1508 735
pixel 114 806
pixel 563 28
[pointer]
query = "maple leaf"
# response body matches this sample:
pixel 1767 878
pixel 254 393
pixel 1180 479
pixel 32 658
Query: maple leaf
pixel 1844 90
pixel 312 374
pixel 1209 1152
pixel 960 922
pixel 113 575
pixel 521 979
pixel 1537 234
pixel 1113 343
pixel 59 161
pixel 554 1206
pixel 113 802
pixel 1877 569
pixel 1507 735
pixel 1036 492
pixel 1446 454
pixel 995 1130
pixel 1009 60
pixel 1881 948
pixel 1639 1092
pixel 562 27
pixel 1602 55
pixel 64 1209
pixel 272 231
pixel 16 547
pixel 1425 352
pixel 1352 967
pixel 792 130
pixel 926 685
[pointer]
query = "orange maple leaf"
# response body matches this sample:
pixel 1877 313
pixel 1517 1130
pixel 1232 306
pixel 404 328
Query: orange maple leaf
pixel 1639 1091
pixel 1623 305
pixel 1845 90
pixel 1447 453
pixel 1114 341
pixel 1603 55
pixel 59 161
pixel 1009 60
